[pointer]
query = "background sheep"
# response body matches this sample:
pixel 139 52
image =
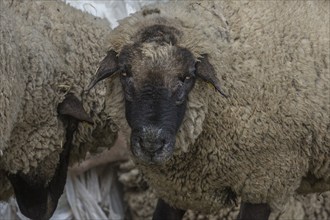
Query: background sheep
pixel 50 51
pixel 274 68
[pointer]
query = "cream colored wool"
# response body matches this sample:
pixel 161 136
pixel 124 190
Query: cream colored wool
pixel 48 50
pixel 272 59
pixel 142 202
pixel 10 94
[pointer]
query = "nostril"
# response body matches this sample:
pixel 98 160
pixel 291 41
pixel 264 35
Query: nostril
pixel 140 141
pixel 162 143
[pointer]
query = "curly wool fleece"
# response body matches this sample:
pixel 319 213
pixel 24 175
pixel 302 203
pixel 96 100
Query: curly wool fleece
pixel 49 49
pixel 142 202
pixel 273 61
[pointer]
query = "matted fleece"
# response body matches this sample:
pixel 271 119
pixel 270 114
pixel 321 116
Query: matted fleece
pixel 50 49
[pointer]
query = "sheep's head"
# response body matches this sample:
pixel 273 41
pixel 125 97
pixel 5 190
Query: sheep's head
pixel 157 76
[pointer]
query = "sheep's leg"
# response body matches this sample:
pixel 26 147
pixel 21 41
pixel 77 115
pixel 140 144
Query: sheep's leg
pixel 166 212
pixel 249 211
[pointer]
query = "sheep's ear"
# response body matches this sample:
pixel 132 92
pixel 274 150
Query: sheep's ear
pixel 72 106
pixel 206 72
pixel 108 66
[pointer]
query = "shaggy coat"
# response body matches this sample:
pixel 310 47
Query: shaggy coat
pixel 271 135
pixel 48 50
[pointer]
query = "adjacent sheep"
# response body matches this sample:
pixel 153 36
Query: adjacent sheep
pixel 270 136
pixel 49 52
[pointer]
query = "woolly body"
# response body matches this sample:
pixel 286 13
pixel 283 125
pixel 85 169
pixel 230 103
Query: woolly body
pixel 273 130
pixel 49 50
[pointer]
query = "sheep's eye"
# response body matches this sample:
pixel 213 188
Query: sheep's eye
pixel 126 70
pixel 185 78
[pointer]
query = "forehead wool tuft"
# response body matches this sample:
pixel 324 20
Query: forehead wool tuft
pixel 159 55
pixel 158 64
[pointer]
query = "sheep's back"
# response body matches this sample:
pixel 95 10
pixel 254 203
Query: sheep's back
pixel 274 128
pixel 277 70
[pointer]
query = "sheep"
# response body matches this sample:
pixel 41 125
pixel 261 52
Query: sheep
pixel 263 138
pixel 50 51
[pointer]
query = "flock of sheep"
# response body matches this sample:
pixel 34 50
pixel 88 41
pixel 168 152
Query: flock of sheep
pixel 220 102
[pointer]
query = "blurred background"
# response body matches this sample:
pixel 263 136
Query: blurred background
pixel 112 10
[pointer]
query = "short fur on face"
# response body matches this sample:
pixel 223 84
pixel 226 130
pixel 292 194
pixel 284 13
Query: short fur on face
pixel 156 79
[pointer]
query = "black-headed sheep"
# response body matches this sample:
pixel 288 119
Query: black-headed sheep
pixel 49 51
pixel 263 138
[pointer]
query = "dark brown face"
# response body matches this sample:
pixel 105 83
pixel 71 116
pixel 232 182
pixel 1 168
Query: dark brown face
pixel 157 76
pixel 156 81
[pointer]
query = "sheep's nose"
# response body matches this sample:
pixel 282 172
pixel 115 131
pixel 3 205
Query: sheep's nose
pixel 149 140
pixel 151 145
